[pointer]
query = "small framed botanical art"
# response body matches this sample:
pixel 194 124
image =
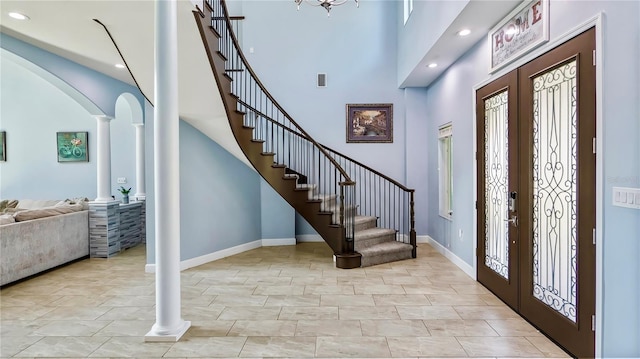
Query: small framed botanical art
pixel 72 146
pixel 369 123
pixel 3 146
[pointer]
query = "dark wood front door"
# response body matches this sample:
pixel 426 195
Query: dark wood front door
pixel 536 191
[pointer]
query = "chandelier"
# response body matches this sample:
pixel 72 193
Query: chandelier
pixel 326 4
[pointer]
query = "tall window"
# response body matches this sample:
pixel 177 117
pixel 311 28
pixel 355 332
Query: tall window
pixel 408 8
pixel 445 167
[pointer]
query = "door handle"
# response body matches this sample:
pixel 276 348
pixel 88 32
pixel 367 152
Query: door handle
pixel 513 221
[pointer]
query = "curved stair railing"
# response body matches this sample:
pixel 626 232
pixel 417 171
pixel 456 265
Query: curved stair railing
pixel 311 177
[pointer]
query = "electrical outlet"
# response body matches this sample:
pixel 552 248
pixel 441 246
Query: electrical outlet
pixel 122 180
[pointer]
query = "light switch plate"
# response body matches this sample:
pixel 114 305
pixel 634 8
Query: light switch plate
pixel 122 180
pixel 626 197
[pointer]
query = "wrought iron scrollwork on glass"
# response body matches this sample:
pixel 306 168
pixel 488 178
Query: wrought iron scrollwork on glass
pixel 555 189
pixel 496 171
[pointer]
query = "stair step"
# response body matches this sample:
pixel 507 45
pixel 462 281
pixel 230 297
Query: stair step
pixel 328 200
pixel 373 236
pixel 365 222
pixel 385 252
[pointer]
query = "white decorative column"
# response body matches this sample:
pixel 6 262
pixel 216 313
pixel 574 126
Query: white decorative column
pixel 104 158
pixel 169 325
pixel 104 218
pixel 140 175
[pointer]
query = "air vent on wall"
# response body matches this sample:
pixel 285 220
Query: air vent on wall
pixel 322 80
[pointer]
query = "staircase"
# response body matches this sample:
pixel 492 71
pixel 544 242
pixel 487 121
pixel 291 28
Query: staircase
pixel 365 217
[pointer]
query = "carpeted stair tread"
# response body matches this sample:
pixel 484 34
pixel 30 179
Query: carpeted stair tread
pixel 324 197
pixel 385 248
pixel 374 232
pixel 307 186
pixel 362 219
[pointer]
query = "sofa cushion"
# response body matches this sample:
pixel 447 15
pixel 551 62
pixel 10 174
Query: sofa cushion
pixel 46 212
pixel 6 219
pixel 13 210
pixel 36 203
pixel 8 203
pixel 84 201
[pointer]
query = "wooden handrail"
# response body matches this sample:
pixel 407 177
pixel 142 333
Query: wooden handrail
pixel 238 48
pixel 401 186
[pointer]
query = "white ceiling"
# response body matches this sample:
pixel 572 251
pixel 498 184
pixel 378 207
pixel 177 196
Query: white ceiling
pixel 479 16
pixel 67 28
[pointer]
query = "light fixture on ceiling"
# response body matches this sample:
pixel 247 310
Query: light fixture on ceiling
pixel 464 32
pixel 432 65
pixel 120 66
pixel 18 16
pixel 326 4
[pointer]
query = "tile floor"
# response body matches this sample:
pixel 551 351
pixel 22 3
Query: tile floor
pixel 269 302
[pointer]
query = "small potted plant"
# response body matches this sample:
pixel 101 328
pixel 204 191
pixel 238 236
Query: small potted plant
pixel 125 194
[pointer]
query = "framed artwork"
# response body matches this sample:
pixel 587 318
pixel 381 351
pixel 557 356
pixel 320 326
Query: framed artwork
pixel 3 146
pixel 368 123
pixel 72 146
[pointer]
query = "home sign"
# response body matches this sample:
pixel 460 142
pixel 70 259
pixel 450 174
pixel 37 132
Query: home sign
pixel 521 31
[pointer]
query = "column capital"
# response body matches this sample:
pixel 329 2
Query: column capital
pixel 138 124
pixel 103 118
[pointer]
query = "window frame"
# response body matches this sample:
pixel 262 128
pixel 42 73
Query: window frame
pixel 445 171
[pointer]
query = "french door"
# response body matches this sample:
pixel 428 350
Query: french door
pixel 536 191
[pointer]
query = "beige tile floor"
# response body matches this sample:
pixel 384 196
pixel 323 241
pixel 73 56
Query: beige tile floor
pixel 269 302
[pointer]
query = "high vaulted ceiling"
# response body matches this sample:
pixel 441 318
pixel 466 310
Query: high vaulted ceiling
pixel 67 28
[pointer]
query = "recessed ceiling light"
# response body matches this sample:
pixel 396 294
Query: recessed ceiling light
pixel 432 65
pixel 18 16
pixel 120 66
pixel 464 32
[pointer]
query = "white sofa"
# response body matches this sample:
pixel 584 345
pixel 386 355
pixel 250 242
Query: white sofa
pixel 46 234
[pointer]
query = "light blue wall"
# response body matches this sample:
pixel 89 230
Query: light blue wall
pixel 32 169
pixel 219 196
pixel 34 108
pixel 451 98
pixel 278 217
pixel 416 155
pixel 355 47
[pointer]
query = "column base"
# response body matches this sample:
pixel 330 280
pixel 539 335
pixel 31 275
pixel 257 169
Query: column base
pixel 153 336
pixel 348 261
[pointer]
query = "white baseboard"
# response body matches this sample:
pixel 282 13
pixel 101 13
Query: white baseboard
pixel 194 262
pixel 278 242
pixel 308 238
pixel 422 239
pixel 468 269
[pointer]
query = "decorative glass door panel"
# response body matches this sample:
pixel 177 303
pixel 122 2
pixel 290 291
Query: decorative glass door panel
pixel 496 172
pixel 554 188
pixel 536 191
